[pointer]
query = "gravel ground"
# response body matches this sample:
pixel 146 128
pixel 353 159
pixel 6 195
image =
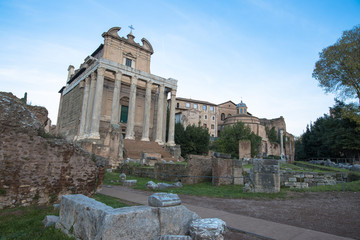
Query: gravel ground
pixel 336 213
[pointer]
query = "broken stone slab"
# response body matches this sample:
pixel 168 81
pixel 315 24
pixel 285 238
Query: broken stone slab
pixel 222 155
pixel 177 185
pixel 174 237
pixel 50 220
pixel 151 185
pixel 130 183
pixel 56 206
pixel 164 200
pixel 164 185
pixel 208 228
pixel 175 220
pixel 122 177
pixel 81 215
pixel 136 223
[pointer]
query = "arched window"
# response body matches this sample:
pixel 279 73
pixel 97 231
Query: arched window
pixel 222 116
pixel 241 111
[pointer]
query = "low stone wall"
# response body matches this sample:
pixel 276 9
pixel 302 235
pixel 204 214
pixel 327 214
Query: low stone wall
pixel 310 179
pixel 200 168
pixel 169 172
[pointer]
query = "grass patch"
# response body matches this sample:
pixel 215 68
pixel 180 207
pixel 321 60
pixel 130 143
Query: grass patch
pixel 347 186
pixel 110 201
pixel 248 166
pixel 26 223
pixel 321 168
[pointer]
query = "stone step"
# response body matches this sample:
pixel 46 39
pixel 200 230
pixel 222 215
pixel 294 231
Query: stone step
pixel 134 148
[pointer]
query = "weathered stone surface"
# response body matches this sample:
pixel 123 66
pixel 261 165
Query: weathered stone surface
pixel 174 237
pixel 164 185
pixel 164 200
pixel 130 183
pixel 176 220
pixel 138 223
pixel 37 168
pixel 82 215
pixel 122 177
pixel 265 176
pixel 56 206
pixel 50 220
pixel 151 185
pixel 222 155
pixel 207 229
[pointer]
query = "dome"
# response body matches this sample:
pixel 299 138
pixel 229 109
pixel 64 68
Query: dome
pixel 241 104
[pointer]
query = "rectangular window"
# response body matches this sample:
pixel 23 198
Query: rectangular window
pixel 211 108
pixel 205 125
pixel 212 126
pixel 188 105
pixel 204 107
pixel 128 62
pixel 213 118
pixel 205 117
pixel 177 105
pixel 195 106
pixel 124 114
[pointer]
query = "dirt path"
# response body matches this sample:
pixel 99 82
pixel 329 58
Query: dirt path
pixel 336 213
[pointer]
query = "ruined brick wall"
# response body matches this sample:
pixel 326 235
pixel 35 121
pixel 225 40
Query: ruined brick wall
pixel 222 171
pixel 35 169
pixel 198 165
pixel 244 149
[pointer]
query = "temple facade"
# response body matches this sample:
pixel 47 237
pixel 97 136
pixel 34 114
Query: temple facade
pixel 113 96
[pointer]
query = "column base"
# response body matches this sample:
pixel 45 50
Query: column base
pixel 170 144
pixel 130 137
pixel 160 142
pixel 145 139
pixel 94 136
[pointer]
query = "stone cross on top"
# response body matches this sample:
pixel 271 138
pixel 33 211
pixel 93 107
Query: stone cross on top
pixel 131 28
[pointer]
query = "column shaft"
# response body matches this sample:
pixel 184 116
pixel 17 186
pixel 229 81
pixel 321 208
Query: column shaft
pixel 84 108
pixel 147 106
pixel 90 104
pixel 164 117
pixel 131 116
pixel 116 99
pixel 171 134
pixel 95 125
pixel 160 115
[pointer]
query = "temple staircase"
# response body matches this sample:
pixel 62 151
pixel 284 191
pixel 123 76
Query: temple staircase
pixel 134 148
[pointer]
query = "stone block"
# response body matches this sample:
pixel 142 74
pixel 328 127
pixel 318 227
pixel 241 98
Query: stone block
pixel 299 175
pixel 164 200
pixel 309 176
pixel 208 228
pixel 292 179
pixel 50 220
pixel 176 220
pixel 222 155
pixel 122 177
pixel 130 183
pixel 174 237
pixel 135 223
pixel 83 215
pixel 151 185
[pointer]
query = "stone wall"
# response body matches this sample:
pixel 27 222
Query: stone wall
pixel 38 169
pixel 310 179
pixel 198 165
pixel 244 149
pixel 225 171
pixel 265 176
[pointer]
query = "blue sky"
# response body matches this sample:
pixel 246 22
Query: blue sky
pixel 261 52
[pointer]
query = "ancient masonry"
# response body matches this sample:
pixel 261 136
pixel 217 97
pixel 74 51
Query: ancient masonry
pixel 35 167
pixel 113 96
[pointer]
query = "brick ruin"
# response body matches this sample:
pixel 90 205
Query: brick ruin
pixel 36 167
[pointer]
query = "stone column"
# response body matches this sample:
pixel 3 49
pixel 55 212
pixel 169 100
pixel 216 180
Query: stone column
pixel 131 115
pixel 147 106
pixel 90 105
pixel 171 134
pixel 95 125
pixel 164 117
pixel 160 115
pixel 116 99
pixel 281 143
pixel 58 122
pixel 84 108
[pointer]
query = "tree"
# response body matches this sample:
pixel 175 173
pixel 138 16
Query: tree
pixel 192 140
pixel 338 69
pixel 332 136
pixel 228 141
